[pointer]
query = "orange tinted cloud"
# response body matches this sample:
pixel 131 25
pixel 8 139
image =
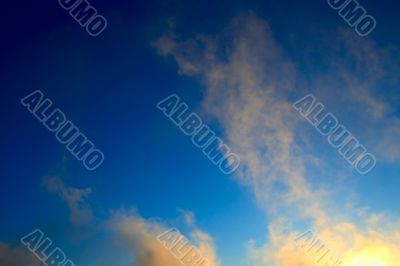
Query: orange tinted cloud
pixel 140 235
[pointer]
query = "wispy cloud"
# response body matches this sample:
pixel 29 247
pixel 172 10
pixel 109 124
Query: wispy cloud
pixel 80 212
pixel 249 88
pixel 135 236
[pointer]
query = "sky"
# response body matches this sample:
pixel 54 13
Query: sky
pixel 240 67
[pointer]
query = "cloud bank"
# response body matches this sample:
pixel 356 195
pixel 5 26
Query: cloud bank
pixel 250 85
pixel 139 235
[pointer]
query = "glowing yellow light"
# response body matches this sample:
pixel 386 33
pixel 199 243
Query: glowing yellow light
pixel 372 256
pixel 366 261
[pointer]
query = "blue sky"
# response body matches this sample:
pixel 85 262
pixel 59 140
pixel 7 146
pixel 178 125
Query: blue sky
pixel 239 65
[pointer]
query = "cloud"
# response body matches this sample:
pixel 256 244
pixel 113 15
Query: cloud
pixel 250 85
pixel 247 92
pixel 386 140
pixel 139 235
pixel 80 212
pixel 371 243
pixel 133 238
pixel 18 256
